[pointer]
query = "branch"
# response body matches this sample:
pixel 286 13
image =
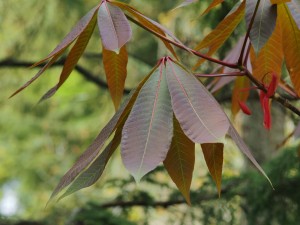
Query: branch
pixel 84 72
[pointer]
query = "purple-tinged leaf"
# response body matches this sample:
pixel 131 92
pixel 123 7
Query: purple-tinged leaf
pixel 264 22
pixel 148 131
pixel 180 160
pixel 41 71
pixel 93 150
pixel 297 131
pixel 73 57
pixel 75 32
pixel 244 148
pixel 95 170
pixel 115 30
pixel 294 7
pixel 198 113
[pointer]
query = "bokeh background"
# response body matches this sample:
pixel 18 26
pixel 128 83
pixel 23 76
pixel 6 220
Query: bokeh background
pixel 40 142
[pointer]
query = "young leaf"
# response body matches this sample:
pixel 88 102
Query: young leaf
pixel 213 154
pixel 273 85
pixel 198 113
pixel 212 5
pixel 148 131
pixel 93 150
pixel 291 45
pixel 264 22
pixel 220 34
pixel 265 104
pixel 70 38
pixel 149 24
pixel 116 72
pixel 244 148
pixel 270 58
pixel 95 170
pixel 180 160
pixel 294 7
pixel 59 50
pixel 115 30
pixel 73 57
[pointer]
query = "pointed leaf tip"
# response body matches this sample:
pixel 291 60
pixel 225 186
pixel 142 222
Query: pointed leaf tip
pixel 213 155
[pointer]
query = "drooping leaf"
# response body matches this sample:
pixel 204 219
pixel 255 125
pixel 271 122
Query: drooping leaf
pixel 214 40
pixel 93 150
pixel 264 22
pixel 148 131
pixel 294 7
pixel 185 3
pixel 180 160
pixel 115 30
pixel 291 45
pixel 270 58
pixel 272 85
pixel 244 148
pixel 265 104
pixel 70 38
pixel 41 71
pixel 147 23
pixel 59 50
pixel 73 57
pixel 213 155
pixel 212 5
pixel 95 170
pixel 116 72
pixel 239 94
pixel 198 113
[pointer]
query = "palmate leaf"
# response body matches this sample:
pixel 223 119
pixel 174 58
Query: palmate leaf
pixel 198 113
pixel 180 160
pixel 115 30
pixel 214 40
pixel 93 150
pixel 59 50
pixel 291 45
pixel 115 66
pixel 95 170
pixel 212 5
pixel 148 23
pixel 73 57
pixel 148 131
pixel 264 22
pixel 270 58
pixel 294 7
pixel 213 155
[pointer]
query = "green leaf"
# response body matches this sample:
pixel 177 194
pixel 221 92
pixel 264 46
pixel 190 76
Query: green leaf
pixel 180 160
pixel 116 72
pixel 213 154
pixel 264 22
pixel 148 131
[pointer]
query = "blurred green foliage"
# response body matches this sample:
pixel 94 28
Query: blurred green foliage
pixel 38 143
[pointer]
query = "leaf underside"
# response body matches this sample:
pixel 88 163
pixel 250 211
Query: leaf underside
pixel 198 113
pixel 115 30
pixel 180 160
pixel 264 22
pixel 148 131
